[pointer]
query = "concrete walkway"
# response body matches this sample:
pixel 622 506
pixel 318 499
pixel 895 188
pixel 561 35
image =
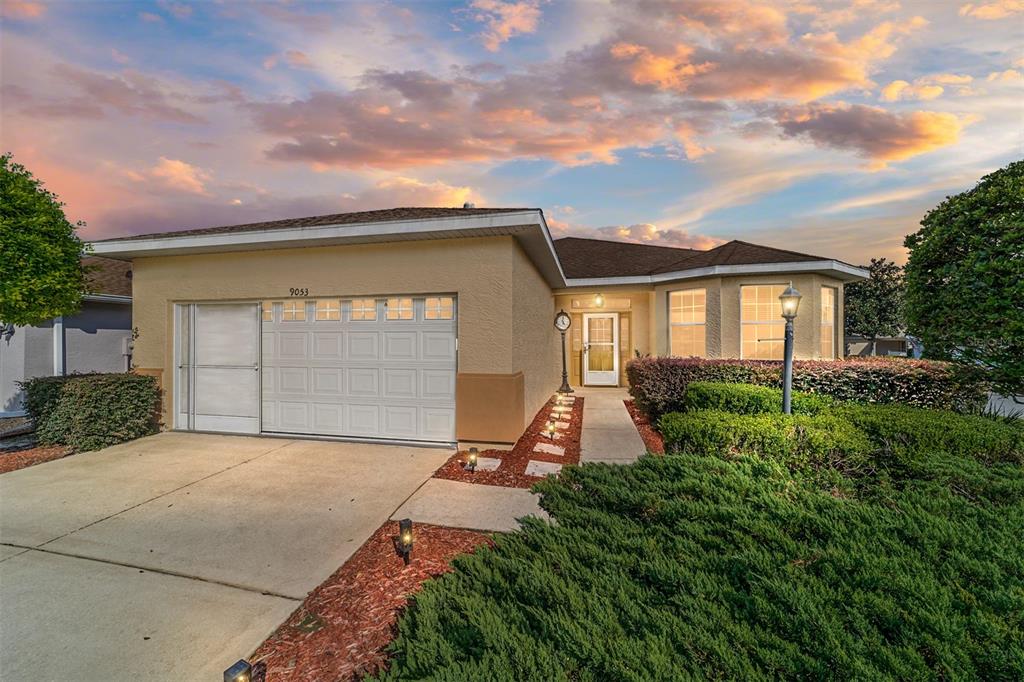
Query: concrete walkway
pixel 469 505
pixel 609 434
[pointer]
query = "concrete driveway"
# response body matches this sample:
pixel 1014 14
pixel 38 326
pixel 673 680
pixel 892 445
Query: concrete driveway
pixel 172 556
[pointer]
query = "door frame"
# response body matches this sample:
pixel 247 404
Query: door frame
pixel 586 349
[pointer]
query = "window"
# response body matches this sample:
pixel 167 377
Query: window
pixel 399 309
pixel 328 310
pixel 686 317
pixel 364 309
pixel 828 323
pixel 293 311
pixel 439 308
pixel 268 311
pixel 763 330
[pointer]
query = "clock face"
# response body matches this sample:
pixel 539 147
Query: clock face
pixel 562 322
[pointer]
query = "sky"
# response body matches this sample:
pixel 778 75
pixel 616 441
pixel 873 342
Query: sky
pixel 823 127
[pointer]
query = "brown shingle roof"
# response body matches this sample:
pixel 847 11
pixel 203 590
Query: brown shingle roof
pixel 381 216
pixel 588 258
pixel 585 258
pixel 108 276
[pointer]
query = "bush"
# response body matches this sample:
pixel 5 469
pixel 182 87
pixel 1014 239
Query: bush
pixel 694 567
pixel 909 432
pixel 750 399
pixel 800 442
pixel 93 411
pixel 659 384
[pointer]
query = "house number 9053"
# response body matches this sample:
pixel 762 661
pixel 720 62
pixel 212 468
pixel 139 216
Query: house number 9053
pixel 298 292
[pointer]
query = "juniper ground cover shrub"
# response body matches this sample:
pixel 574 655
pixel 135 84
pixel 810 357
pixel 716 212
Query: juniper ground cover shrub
pixel 658 384
pixel 92 411
pixel 696 566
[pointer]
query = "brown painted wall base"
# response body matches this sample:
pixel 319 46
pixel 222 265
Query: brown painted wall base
pixel 489 407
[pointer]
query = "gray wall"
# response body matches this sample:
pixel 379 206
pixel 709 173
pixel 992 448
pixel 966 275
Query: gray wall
pixel 93 342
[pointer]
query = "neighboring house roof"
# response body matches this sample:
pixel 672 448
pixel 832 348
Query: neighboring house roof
pixel 736 253
pixel 381 216
pixel 582 258
pixel 106 276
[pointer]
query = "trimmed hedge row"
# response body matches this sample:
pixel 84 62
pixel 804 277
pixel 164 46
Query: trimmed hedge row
pixel 92 411
pixel 658 384
pixel 750 399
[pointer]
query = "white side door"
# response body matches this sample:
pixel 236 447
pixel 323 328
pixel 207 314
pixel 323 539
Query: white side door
pixel 601 349
pixel 218 368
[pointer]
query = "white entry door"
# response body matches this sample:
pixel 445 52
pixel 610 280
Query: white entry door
pixel 218 377
pixel 601 349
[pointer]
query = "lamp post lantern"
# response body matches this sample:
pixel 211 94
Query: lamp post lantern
pixel 790 299
pixel 562 324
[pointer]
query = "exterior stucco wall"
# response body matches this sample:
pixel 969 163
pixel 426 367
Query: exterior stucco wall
pixel 27 354
pixel 535 344
pixel 481 272
pixel 94 338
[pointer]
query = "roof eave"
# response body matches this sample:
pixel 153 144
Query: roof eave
pixel 833 268
pixel 528 227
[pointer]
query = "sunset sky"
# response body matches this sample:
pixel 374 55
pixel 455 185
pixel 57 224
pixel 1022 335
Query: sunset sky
pixel 823 127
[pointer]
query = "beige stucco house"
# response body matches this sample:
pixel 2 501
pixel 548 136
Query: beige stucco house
pixel 436 325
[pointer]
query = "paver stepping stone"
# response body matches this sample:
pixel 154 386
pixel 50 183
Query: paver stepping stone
pixel 549 449
pixel 562 425
pixel 535 468
pixel 487 463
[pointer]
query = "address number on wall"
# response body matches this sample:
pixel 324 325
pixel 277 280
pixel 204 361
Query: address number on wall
pixel 298 292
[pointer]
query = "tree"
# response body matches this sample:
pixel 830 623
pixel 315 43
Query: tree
pixel 874 307
pixel 41 274
pixel 965 278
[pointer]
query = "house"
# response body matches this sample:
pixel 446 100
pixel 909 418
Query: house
pixel 96 339
pixel 436 324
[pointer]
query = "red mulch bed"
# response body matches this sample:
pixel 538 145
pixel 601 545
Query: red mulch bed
pixel 342 628
pixel 511 473
pixel 19 459
pixel 650 436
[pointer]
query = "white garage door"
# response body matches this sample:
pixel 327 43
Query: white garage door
pixel 366 367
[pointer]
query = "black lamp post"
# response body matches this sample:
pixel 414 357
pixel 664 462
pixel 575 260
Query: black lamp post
pixel 562 324
pixel 790 299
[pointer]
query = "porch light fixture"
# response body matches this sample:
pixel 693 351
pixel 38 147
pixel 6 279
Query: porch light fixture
pixel 790 299
pixel 405 539
pixel 239 672
pixel 471 460
pixel 599 301
pixel 562 323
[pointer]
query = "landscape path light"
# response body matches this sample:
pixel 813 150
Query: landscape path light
pixel 239 672
pixel 562 324
pixel 405 539
pixel 790 299
pixel 474 454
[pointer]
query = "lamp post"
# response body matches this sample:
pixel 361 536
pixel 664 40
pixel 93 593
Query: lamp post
pixel 790 299
pixel 562 324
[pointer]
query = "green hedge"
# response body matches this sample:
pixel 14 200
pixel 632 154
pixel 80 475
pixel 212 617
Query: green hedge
pixel 658 384
pixel 695 567
pixel 750 399
pixel 92 411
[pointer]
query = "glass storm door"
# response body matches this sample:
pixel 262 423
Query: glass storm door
pixel 601 349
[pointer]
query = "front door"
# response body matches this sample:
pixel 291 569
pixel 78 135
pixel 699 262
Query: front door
pixel 601 349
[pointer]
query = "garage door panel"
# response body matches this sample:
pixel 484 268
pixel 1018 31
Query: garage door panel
pixel 364 382
pixel 366 378
pixel 438 346
pixel 399 346
pixel 364 420
pixel 400 383
pixel 328 381
pixel 363 346
pixel 269 415
pixel 269 347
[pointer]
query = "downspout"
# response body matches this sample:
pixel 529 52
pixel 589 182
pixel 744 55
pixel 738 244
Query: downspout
pixel 58 346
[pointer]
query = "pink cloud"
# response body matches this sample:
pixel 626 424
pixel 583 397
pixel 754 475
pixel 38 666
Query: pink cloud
pixel 179 175
pixel 22 9
pixel 1000 9
pixel 505 20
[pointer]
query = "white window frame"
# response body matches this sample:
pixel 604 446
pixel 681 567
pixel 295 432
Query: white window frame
pixel 832 322
pixel 702 324
pixel 440 306
pixel 363 310
pixel 331 306
pixel 759 322
pixel 292 307
pixel 399 308
pixel 265 308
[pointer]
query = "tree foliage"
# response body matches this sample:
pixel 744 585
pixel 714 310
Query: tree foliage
pixel 965 278
pixel 874 307
pixel 41 274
